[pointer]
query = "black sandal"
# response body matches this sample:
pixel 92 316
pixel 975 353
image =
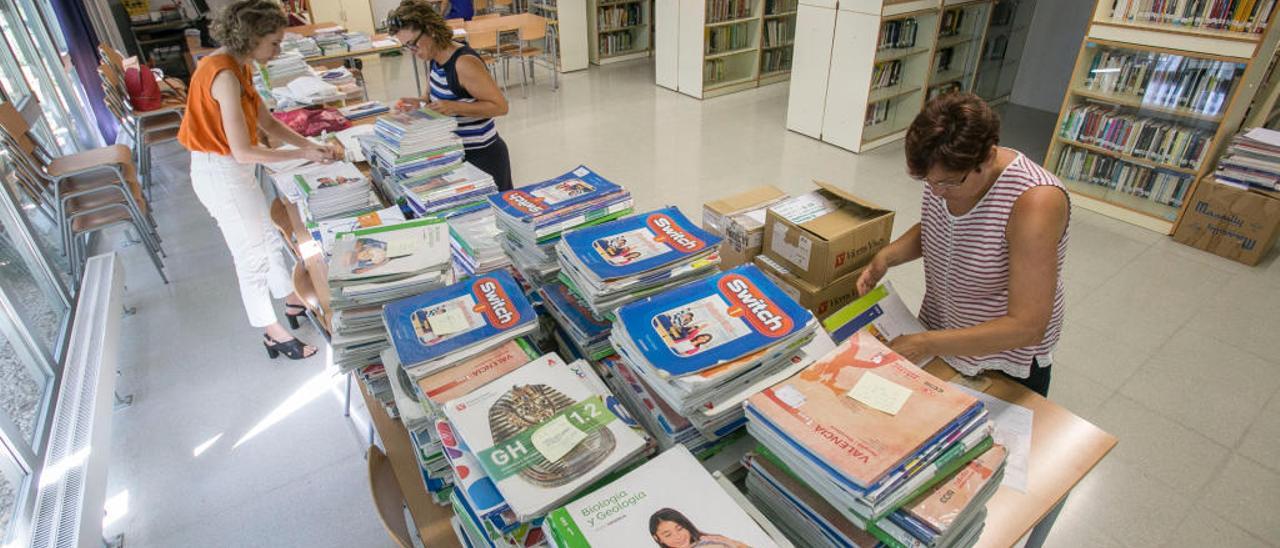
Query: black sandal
pixel 293 318
pixel 294 349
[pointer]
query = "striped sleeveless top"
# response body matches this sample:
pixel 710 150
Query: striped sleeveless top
pixel 475 132
pixel 966 268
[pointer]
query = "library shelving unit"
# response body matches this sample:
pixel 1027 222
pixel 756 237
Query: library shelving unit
pixel 961 28
pixel 713 47
pixel 567 23
pixel 1153 100
pixel 618 30
pixel 1002 50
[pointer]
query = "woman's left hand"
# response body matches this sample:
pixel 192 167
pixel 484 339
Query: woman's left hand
pixel 913 347
pixel 447 108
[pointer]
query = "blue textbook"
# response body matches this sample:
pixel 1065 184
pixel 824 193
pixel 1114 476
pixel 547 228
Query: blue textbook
pixel 718 319
pixel 438 323
pixel 638 244
pixel 573 188
pixel 584 321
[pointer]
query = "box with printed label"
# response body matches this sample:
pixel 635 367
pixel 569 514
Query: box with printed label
pixel 823 301
pixel 740 219
pixel 825 234
pixel 1230 221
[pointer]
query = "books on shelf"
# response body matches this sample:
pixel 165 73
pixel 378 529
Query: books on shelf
pixel 616 43
pixel 545 432
pixel 886 74
pixel 1235 15
pixel 943 89
pixel 1252 160
pixel 727 10
pixel 620 261
pixel 899 33
pixel 1163 80
pixel 728 38
pixel 1158 185
pixel 775 60
pixel 867 429
pixel 877 113
pixel 713 71
pixel 613 17
pixel 440 328
pixel 671 500
pixel 778 32
pixel 774 7
pixel 1147 138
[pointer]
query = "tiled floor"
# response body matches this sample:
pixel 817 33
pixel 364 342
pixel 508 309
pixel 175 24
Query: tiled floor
pixel 1173 350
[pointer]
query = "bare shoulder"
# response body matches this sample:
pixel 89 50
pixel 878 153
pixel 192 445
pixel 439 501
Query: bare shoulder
pixel 225 84
pixel 470 65
pixel 1041 210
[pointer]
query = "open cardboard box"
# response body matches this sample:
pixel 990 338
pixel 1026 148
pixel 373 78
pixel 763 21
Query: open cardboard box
pixel 826 234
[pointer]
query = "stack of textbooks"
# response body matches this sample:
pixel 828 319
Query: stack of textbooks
pixel 363 110
pixel 438 329
pixel 465 185
pixel 373 266
pixel 670 500
pixel 299 44
pixel 1252 160
pixel 329 191
pixel 415 414
pixel 867 430
pixel 533 217
pixel 474 237
pixel 281 70
pixel 358 41
pixel 587 333
pixel 545 433
pixel 703 347
pixel 326 232
pixel 618 262
pixel 414 146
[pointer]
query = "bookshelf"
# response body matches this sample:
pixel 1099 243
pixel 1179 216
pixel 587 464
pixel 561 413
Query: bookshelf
pixel 618 30
pixel 1002 49
pixel 724 46
pixel 961 29
pixel 567 25
pixel 1152 101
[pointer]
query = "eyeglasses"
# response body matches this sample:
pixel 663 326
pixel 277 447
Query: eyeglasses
pixel 943 184
pixel 412 45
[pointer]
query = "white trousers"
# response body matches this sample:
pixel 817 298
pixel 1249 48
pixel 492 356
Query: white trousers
pixel 231 193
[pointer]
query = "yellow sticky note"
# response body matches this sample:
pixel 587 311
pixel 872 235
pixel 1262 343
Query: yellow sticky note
pixel 880 393
pixel 452 321
pixel 556 438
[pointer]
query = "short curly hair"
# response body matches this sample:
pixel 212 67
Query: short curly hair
pixel 240 26
pixel 955 131
pixel 418 15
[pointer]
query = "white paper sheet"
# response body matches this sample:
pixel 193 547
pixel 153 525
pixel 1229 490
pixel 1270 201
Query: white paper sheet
pixel 1013 431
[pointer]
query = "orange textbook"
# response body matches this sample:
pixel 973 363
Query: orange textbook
pixel 941 506
pixel 861 412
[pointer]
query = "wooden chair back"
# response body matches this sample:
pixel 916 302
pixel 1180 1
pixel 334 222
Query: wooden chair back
pixel 306 290
pixel 280 218
pixel 483 40
pixel 387 497
pixel 13 123
pixel 533 30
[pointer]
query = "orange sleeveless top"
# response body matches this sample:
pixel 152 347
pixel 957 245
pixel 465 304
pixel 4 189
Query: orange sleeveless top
pixel 201 129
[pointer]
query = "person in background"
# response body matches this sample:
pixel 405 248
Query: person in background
pixel 458 9
pixel 460 86
pixel 220 128
pixel 993 235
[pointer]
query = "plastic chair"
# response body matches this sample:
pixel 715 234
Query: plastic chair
pixel 152 131
pixel 388 499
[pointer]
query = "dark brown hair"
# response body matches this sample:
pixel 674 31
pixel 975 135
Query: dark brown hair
pixel 955 131
pixel 240 26
pixel 417 15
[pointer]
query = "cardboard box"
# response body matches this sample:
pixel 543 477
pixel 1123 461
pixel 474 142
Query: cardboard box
pixel 739 219
pixel 823 301
pixel 826 234
pixel 1230 221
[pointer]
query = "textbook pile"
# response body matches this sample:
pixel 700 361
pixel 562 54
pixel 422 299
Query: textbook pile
pixel 868 431
pixel 585 334
pixel 326 232
pixel 533 217
pixel 461 190
pixel 704 347
pixel 327 191
pixel 474 238
pixel 1252 160
pixel 618 262
pixel 372 266
pixel 412 147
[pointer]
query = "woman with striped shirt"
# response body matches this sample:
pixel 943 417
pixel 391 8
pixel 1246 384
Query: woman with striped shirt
pixel 993 236
pixel 460 86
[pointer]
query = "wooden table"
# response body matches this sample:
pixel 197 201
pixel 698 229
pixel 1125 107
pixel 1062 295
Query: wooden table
pixel 310 31
pixel 1064 448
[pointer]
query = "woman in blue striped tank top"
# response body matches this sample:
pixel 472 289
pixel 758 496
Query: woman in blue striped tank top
pixel 460 86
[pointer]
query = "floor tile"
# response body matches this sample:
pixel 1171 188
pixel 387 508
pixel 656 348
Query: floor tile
pixel 1262 442
pixel 1100 355
pixel 1243 313
pixel 1247 495
pixel 1075 391
pixel 1203 527
pixel 1171 453
pixel 1124 503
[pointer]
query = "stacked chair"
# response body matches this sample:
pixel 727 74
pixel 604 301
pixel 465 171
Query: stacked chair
pixel 145 129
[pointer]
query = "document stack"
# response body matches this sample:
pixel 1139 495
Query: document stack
pixel 475 237
pixel 442 328
pixel 533 217
pixel 951 513
pixel 1252 160
pixel 618 262
pixel 670 500
pixel 284 68
pixel 373 266
pixel 445 193
pixel 867 430
pixel 304 46
pixel 326 232
pixel 358 41
pixel 703 347
pixel 363 110
pixel 412 147
pixel 587 334
pixel 330 191
pixel 545 433
pixel 331 40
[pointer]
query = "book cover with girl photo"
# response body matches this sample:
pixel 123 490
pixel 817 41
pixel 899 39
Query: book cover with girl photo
pixel 638 244
pixel 437 323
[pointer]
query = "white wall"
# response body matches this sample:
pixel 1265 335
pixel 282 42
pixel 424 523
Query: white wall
pixel 1053 42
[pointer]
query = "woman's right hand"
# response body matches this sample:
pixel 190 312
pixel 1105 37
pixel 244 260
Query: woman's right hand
pixel 871 275
pixel 409 103
pixel 317 154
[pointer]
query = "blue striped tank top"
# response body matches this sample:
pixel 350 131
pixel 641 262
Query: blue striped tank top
pixel 445 86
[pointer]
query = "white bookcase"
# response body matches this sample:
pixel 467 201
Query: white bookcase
pixel 568 21
pixel 713 47
pixel 1002 50
pixel 618 30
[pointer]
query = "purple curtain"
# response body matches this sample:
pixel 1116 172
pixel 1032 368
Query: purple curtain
pixel 82 45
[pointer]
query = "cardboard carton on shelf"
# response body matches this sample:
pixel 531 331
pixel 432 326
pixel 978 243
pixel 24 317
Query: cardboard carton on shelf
pixel 826 234
pixel 823 300
pixel 739 219
pixel 1230 221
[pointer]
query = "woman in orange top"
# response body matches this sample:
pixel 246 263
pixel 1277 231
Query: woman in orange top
pixel 220 128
